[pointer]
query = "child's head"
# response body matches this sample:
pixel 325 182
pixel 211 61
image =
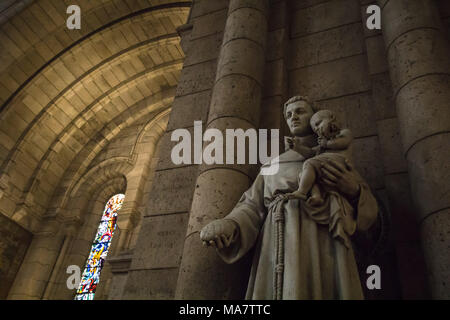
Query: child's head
pixel 324 123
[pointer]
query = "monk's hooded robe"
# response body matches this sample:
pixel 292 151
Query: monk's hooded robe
pixel 319 261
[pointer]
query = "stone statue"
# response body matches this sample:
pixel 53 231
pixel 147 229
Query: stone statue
pixel 302 249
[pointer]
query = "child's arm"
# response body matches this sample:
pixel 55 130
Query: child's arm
pixel 341 141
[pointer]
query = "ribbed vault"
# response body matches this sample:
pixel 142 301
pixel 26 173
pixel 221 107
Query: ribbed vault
pixel 66 94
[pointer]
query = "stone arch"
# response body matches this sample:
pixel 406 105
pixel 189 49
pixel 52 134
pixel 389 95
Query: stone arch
pixel 68 94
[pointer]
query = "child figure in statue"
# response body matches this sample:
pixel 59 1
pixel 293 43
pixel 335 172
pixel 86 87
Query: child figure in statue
pixel 333 145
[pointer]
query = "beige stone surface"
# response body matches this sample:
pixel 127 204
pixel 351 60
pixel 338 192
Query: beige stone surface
pixel 323 15
pixel 423 105
pixel 151 284
pixel 332 79
pixel 86 114
pixel 431 173
pixel 367 157
pixel 327 45
pixel 436 244
pixel 236 95
pixel 172 191
pixel 417 53
pixel 189 108
pixel 164 242
pixel 354 112
pixel 394 160
pixel 403 16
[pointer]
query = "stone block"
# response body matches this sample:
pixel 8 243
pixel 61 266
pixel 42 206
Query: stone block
pixel 151 284
pixel 117 287
pixel 209 24
pixel 390 146
pixel 204 7
pixel 261 5
pixel 354 112
pixel 275 78
pixel 422 108
pixel 165 155
pixel 324 16
pixel 376 55
pixel 196 281
pixel 332 79
pixel 405 223
pixel 417 53
pixel 367 161
pixel 276 44
pixel 272 113
pixel 399 17
pixel 187 109
pixel 242 57
pixel 430 173
pixel 436 245
pixel 246 23
pixel 278 15
pixel 327 45
pixel 172 191
pixel 301 4
pixel 14 243
pixel 236 96
pixel 204 49
pixel 160 244
pixel 382 95
pixel 196 78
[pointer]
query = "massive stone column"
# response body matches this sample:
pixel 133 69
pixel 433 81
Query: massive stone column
pixel 419 65
pixel 235 103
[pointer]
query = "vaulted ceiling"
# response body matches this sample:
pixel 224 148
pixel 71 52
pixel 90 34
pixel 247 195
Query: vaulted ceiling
pixel 64 94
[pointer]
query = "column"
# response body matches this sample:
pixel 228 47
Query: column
pixel 419 64
pixel 235 103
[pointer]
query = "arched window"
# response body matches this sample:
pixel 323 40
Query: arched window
pixel 99 250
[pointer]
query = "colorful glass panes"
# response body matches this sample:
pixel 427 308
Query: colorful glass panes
pixel 99 250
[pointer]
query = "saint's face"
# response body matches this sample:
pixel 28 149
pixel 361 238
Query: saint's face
pixel 298 115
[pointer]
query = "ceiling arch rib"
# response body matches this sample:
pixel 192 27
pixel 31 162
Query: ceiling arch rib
pixel 87 123
pixel 154 127
pixel 97 108
pixel 82 161
pixel 35 37
pixel 46 87
pixel 44 175
pixel 39 199
pixel 56 113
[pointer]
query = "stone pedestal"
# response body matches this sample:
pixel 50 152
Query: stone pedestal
pixel 419 64
pixel 235 103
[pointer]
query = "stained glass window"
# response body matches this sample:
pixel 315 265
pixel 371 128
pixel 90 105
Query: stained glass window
pixel 99 250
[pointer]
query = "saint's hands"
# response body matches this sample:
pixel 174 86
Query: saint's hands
pixel 341 177
pixel 219 233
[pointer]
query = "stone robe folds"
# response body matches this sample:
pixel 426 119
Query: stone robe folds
pixel 317 262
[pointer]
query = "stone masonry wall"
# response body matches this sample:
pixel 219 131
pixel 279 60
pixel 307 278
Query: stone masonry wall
pixel 154 267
